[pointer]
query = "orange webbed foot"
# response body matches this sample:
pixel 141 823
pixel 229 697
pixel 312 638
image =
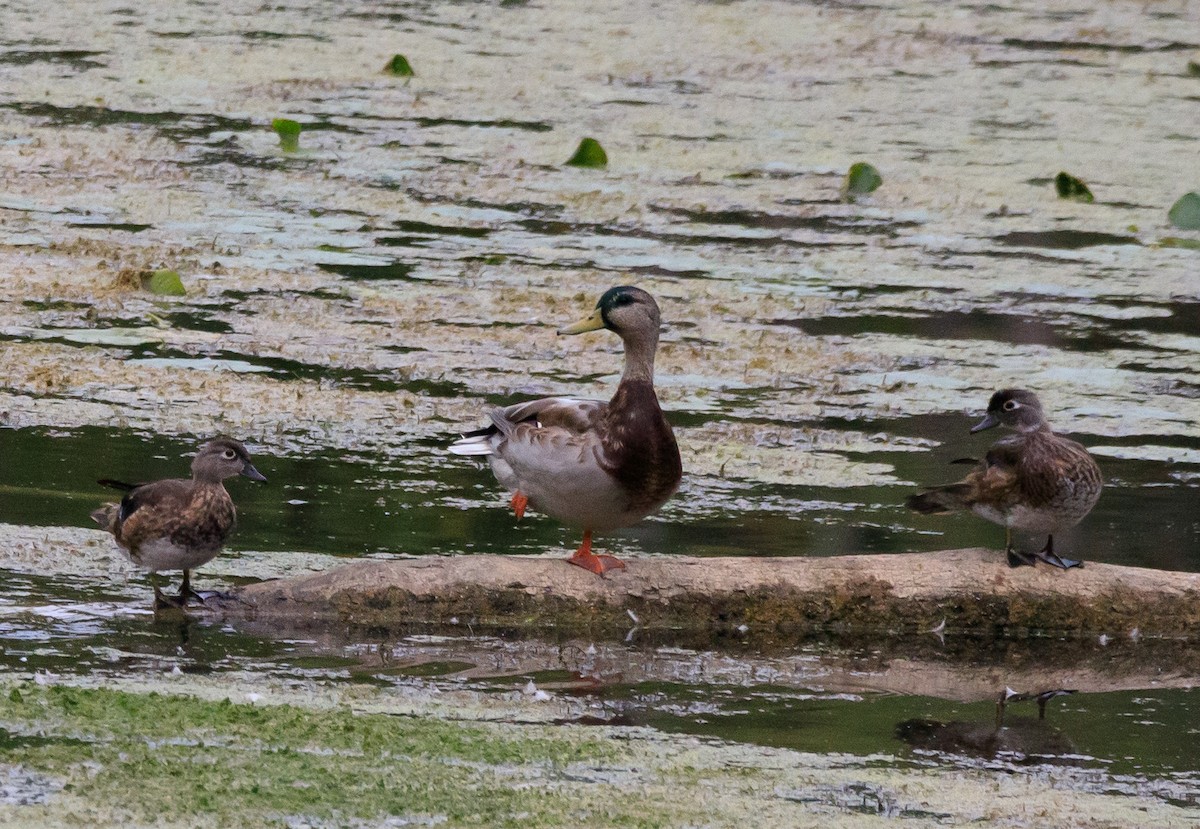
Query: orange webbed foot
pixel 518 503
pixel 598 564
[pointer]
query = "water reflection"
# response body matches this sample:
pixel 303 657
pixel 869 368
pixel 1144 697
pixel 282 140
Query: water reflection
pixel 1018 739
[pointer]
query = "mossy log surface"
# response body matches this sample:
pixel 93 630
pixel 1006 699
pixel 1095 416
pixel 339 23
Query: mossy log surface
pixel 972 589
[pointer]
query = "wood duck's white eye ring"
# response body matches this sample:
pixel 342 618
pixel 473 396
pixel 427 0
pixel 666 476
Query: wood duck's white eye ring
pixel 1011 405
pixel 229 454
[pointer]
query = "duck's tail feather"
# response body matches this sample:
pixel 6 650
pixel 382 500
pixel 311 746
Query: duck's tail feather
pixel 106 516
pixel 943 499
pixel 478 442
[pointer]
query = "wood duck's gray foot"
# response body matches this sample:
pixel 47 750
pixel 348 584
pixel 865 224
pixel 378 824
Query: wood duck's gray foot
pixel 187 594
pixel 1016 558
pixel 164 602
pixel 1059 561
pixel 206 596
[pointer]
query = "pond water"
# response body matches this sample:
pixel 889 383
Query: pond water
pixel 1137 736
pixel 350 503
pixel 352 306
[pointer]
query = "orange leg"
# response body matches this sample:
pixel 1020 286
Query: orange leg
pixel 518 503
pixel 596 564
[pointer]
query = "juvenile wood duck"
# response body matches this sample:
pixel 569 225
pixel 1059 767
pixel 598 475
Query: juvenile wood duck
pixel 178 524
pixel 1034 481
pixel 587 463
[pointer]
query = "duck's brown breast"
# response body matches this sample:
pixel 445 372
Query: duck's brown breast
pixel 640 449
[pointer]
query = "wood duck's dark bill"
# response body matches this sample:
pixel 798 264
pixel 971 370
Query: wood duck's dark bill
pixel 987 423
pixel 253 474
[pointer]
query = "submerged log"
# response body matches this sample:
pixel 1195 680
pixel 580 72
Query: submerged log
pixel 972 590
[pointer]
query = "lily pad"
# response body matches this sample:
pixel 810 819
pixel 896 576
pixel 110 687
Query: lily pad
pixel 1069 187
pixel 164 283
pixel 289 134
pixel 1185 213
pixel 861 178
pixel 589 154
pixel 398 66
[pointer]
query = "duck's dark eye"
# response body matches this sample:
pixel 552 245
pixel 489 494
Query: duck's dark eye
pixel 1011 405
pixel 229 454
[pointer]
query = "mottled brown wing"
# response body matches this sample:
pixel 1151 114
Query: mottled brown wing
pixel 148 511
pixel 563 412
pixel 997 480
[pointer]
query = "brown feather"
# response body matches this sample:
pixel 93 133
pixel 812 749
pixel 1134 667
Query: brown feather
pixel 188 513
pixel 640 450
pixel 1035 470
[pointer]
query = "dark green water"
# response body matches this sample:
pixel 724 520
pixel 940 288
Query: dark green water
pixel 429 502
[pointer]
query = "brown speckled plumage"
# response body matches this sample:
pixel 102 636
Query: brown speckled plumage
pixel 178 524
pixel 1033 480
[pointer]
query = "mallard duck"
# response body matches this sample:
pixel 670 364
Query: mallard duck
pixel 179 524
pixel 1034 481
pixel 590 464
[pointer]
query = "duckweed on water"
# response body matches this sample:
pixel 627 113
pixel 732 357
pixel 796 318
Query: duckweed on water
pixel 104 757
pixel 167 757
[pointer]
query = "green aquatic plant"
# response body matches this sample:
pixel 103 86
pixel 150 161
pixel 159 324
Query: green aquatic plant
pixel 166 758
pixel 1069 187
pixel 1193 68
pixel 289 134
pixel 164 282
pixel 1176 242
pixel 589 154
pixel 1185 213
pixel 861 178
pixel 398 66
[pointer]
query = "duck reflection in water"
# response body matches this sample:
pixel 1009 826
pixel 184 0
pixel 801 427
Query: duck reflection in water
pixel 1019 739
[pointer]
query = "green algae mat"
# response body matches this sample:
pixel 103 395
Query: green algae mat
pixel 78 756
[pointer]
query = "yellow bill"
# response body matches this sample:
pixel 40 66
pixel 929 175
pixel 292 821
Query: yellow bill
pixel 592 322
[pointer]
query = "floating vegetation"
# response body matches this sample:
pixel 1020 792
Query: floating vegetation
pixel 1176 242
pixel 589 154
pixel 289 134
pixel 399 67
pixel 164 282
pixel 1193 68
pixel 861 178
pixel 1185 213
pixel 1069 187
